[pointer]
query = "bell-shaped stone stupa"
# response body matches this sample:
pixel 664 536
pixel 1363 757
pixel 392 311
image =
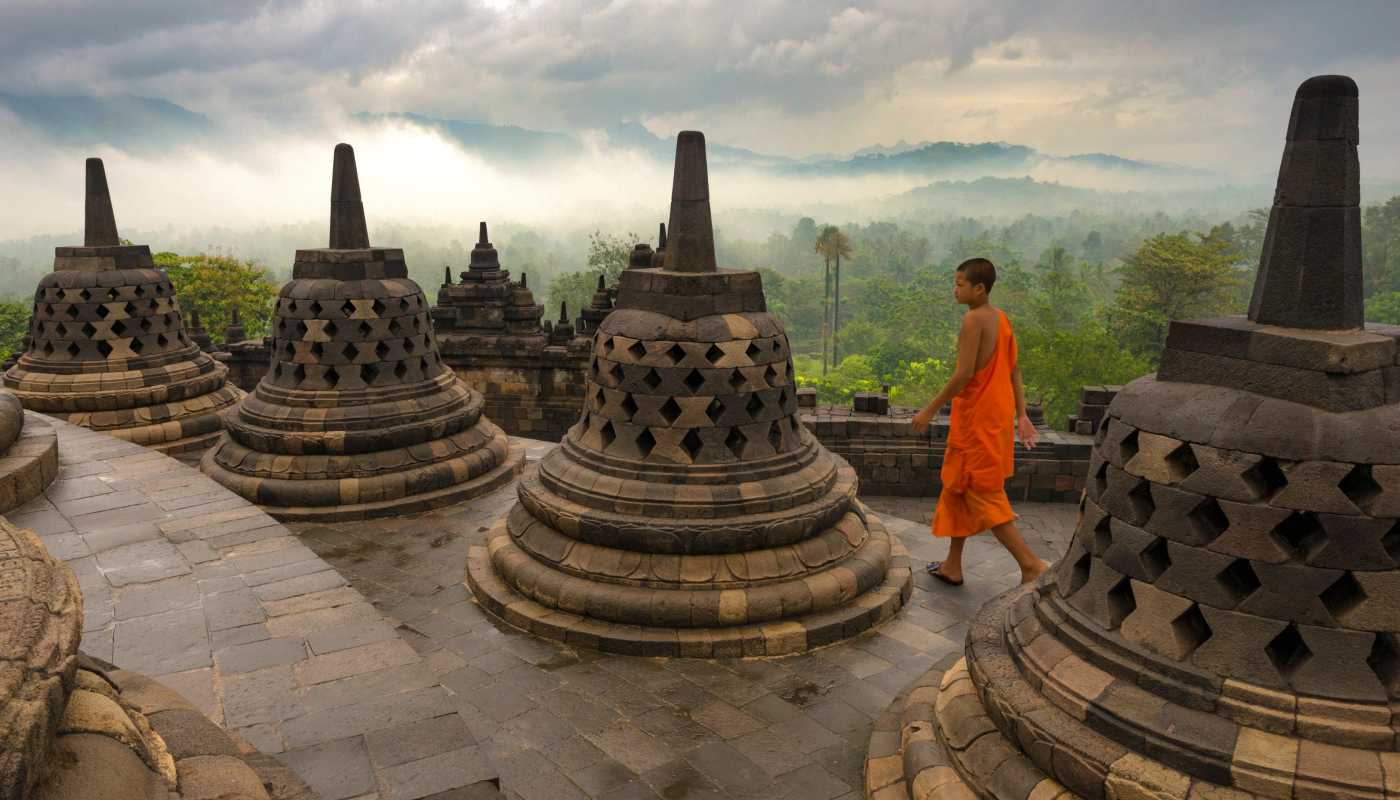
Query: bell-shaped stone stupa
pixel 357 417
pixel 689 512
pixel 108 348
pixel 1224 623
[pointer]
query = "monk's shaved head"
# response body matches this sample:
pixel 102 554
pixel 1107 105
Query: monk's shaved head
pixel 979 271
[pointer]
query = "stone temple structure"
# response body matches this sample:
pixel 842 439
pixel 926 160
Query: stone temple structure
pixel 1225 622
pixel 689 512
pixel 108 348
pixel 489 332
pixel 357 417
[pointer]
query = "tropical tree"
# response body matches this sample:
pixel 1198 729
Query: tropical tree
pixel 14 324
pixel 1172 277
pixel 608 255
pixel 838 245
pixel 825 253
pixel 217 282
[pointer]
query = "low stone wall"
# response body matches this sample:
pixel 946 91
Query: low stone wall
pixel 533 389
pixel 891 459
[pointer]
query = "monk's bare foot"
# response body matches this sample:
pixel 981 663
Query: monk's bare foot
pixel 1029 575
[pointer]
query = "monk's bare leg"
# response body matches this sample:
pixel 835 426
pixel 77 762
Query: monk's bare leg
pixel 951 567
pixel 1030 564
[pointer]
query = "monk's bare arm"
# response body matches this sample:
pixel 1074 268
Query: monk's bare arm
pixel 969 341
pixel 1025 431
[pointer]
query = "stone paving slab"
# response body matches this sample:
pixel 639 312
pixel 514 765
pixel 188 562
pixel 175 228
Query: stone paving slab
pixel 556 722
pixel 190 584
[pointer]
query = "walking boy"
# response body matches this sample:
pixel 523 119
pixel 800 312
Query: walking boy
pixel 987 396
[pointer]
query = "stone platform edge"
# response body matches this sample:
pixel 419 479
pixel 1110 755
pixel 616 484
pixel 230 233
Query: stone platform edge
pixel 30 466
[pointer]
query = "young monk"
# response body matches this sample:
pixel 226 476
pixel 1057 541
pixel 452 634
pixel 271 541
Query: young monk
pixel 987 400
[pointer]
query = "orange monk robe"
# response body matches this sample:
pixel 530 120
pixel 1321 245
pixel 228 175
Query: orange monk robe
pixel 981 436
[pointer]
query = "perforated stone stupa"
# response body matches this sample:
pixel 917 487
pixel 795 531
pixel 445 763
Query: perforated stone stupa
pixel 1224 624
pixel 107 346
pixel 688 512
pixel 357 417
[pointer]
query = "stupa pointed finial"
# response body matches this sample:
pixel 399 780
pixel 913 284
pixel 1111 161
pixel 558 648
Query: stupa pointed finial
pixel 601 286
pixel 99 222
pixel 661 238
pixel 523 284
pixel 348 228
pixel 691 247
pixel 194 318
pixel 446 275
pixel 235 316
pixel 484 239
pixel 563 312
pixel 1310 267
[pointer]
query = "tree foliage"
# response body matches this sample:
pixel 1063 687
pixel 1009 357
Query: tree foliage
pixel 216 282
pixel 14 324
pixel 1172 277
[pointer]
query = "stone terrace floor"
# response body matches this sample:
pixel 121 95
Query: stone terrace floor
pixel 397 686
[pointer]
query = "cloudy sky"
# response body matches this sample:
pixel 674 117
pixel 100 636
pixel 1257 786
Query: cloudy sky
pixel 1194 83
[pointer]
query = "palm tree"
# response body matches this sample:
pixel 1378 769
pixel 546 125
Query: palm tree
pixel 840 245
pixel 822 239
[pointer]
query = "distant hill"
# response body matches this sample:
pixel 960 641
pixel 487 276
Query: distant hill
pixel 128 122
pixel 144 125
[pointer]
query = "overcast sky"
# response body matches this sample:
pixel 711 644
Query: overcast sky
pixel 1192 83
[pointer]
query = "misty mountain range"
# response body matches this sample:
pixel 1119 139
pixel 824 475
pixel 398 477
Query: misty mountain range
pixel 144 125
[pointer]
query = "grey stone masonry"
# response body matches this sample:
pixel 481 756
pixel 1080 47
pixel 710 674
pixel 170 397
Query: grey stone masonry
pixel 191 584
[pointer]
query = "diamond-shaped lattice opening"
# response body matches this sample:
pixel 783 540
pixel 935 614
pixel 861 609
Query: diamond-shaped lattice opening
pixel 112 294
pixel 1267 476
pixel 652 379
pixel 396 327
pixel 298 374
pixel 714 354
pixel 145 324
pixel 615 374
pixel 694 380
pixel 629 407
pixel 770 376
pixel 753 351
pixel 48 349
pixel 1288 651
pixel 1359 487
pixel 1079 574
pixel 299 329
pixel 381 351
pixel 775 435
pixel 103 348
pixel 60 330
pixel 714 410
pixel 103 311
pixel 1209 519
pixel 400 369
pixel 676 354
pixel 315 309
pixel 73 350
pixel 606 434
pixel 1191 629
pixel 1121 602
pixel 137 346
pixel 316 351
pixel 409 347
pixel 1343 596
pixel 1128 447
pixel 735 441
pixel 1391 542
pixel 364 329
pixel 140 291
pixel 754 405
pixel 369 373
pixel 330 329
pixel 379 308
pixel 1238 580
pixel 88 330
pixel 85 295
pixel 1181 462
pixel 637 350
pixel 347 308
pixel 332 377
pixel 1385 662
pixel 1100 479
pixel 691 444
pixel 346 350
pixel 670 410
pixel 605 344
pixel 645 442
pixel 737 381
pixel 597 401
pixel 1156 559
pixel 1303 534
